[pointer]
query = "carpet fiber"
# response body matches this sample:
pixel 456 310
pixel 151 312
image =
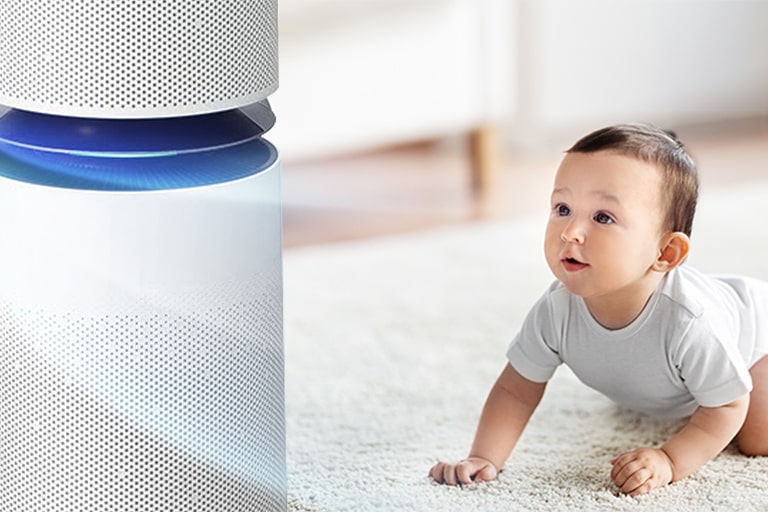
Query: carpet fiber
pixel 392 345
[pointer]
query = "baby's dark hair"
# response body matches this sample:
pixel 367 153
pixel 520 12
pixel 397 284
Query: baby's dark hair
pixel 680 188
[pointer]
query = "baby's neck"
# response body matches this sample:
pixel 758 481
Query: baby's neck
pixel 622 307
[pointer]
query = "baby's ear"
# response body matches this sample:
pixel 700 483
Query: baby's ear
pixel 673 250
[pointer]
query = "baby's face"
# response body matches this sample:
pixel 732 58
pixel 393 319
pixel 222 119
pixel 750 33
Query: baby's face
pixel 604 230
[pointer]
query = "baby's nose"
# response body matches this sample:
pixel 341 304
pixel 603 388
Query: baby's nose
pixel 573 232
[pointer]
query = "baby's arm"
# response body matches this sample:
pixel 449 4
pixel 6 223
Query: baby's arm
pixel 507 410
pixel 708 432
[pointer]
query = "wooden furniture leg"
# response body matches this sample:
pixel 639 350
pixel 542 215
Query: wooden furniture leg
pixel 483 156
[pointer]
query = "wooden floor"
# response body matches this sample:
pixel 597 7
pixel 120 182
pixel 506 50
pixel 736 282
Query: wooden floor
pixel 428 185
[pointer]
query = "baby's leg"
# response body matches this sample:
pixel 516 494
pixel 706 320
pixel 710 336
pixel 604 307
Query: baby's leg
pixel 753 438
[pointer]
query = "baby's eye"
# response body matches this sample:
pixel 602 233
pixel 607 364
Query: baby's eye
pixel 603 218
pixel 562 210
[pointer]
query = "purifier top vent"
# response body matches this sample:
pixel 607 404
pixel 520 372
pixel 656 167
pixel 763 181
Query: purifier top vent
pixel 136 58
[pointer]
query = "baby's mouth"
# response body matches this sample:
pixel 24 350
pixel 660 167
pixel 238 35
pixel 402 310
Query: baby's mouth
pixel 573 265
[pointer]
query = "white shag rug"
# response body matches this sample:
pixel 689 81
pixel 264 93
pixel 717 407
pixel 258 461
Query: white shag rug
pixel 392 345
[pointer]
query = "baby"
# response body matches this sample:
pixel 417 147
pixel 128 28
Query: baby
pixel 631 320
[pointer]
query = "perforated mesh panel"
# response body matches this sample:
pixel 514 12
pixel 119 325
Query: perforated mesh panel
pixel 166 412
pixel 136 58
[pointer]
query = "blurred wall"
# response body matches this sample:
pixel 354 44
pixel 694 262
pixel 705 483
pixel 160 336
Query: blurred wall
pixel 593 62
pixel 358 74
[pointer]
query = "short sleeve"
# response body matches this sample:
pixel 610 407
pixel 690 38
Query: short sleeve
pixel 711 368
pixel 533 351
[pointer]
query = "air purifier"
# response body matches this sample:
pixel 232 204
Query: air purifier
pixel 141 346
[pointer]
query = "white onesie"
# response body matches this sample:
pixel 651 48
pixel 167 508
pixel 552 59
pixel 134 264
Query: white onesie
pixel 691 346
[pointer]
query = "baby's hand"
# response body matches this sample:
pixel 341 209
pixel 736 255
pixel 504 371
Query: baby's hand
pixel 642 470
pixel 472 469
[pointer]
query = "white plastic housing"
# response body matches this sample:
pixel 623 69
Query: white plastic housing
pixel 141 356
pixel 129 59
